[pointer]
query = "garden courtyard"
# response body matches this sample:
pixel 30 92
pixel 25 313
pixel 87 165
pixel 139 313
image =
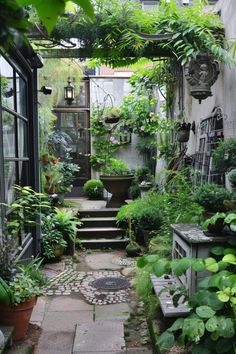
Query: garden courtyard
pixel 118 177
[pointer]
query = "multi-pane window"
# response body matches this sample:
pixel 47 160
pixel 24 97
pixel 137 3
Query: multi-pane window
pixel 14 122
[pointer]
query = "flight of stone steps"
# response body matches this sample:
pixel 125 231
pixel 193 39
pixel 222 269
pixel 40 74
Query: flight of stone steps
pixel 99 229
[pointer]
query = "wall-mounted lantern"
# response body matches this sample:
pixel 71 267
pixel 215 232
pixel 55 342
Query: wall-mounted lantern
pixel 69 92
pixel 201 73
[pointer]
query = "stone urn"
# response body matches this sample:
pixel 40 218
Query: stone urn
pixel 118 186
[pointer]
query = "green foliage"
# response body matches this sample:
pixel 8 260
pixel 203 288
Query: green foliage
pixel 49 14
pixel 27 205
pixel 230 220
pixel 106 138
pixel 224 155
pixel 115 167
pixel 232 177
pixel 211 197
pixel 93 188
pixel 212 318
pixel 7 263
pixel 113 35
pixel 58 228
pixel 215 223
pixel 25 284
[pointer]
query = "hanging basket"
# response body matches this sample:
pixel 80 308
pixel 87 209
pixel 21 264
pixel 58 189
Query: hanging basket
pixel 111 119
pixel 183 136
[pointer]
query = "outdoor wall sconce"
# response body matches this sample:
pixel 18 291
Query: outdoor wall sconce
pixel 69 92
pixel 201 73
pixel 46 90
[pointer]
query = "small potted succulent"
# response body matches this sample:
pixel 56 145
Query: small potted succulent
pixel 183 131
pixel 93 188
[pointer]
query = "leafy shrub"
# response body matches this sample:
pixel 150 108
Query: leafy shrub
pixel 149 218
pixel 224 156
pixel 232 177
pixel 211 197
pixel 116 167
pixel 93 188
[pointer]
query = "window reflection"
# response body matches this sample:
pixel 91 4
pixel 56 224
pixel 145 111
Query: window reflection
pixel 10 179
pixel 7 87
pixel 22 138
pixel 21 95
pixel 8 121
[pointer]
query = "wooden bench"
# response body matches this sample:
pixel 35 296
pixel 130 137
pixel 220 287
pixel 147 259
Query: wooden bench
pixel 165 299
pixel 7 332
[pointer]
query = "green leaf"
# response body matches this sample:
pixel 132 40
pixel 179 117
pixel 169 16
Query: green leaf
pixel 180 266
pixel 218 251
pixel 86 6
pixel 212 324
pixel 198 265
pixel 211 265
pixel 205 312
pixel 232 226
pixel 193 328
pixel 222 296
pixel 178 324
pixel 166 340
pixel 229 258
pixel 161 267
pixel 226 327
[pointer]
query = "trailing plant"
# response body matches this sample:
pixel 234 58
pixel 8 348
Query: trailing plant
pixel 211 197
pixel 224 155
pixel 106 138
pixel 210 327
pixel 93 188
pixel 113 36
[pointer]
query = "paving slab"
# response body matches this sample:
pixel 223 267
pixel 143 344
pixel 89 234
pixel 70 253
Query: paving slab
pixel 55 342
pixel 101 261
pixel 112 312
pixel 65 321
pixel 39 311
pixel 99 337
pixel 61 304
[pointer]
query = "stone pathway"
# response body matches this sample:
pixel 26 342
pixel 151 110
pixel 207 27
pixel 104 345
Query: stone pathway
pixel 78 318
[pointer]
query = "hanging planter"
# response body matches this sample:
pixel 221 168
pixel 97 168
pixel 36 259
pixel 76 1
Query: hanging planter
pixel 112 115
pixel 183 132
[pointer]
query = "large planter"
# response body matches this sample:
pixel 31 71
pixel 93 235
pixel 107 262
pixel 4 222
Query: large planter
pixel 17 316
pixel 118 186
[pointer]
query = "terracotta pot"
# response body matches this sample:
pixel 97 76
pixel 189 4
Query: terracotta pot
pixel 118 186
pixel 17 316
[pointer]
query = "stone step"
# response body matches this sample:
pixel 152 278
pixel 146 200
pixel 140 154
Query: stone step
pixel 99 337
pixel 104 221
pixel 105 243
pixel 100 232
pixel 7 333
pixel 94 213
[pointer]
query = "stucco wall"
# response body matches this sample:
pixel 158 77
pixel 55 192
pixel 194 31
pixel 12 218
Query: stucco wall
pixel 224 90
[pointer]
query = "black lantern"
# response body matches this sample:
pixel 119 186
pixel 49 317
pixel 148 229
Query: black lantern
pixel 69 92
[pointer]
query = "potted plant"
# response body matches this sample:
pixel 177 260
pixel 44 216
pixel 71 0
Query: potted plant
pixel 59 229
pixel 216 223
pixel 19 288
pixel 116 178
pixel 183 131
pixel 211 197
pixel 132 249
pixel 111 115
pixel 93 188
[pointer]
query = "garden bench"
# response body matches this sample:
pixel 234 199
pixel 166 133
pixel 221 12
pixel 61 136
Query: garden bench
pixel 7 332
pixel 165 299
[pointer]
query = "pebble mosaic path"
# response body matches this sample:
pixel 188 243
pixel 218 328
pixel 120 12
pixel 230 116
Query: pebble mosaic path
pixel 72 281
